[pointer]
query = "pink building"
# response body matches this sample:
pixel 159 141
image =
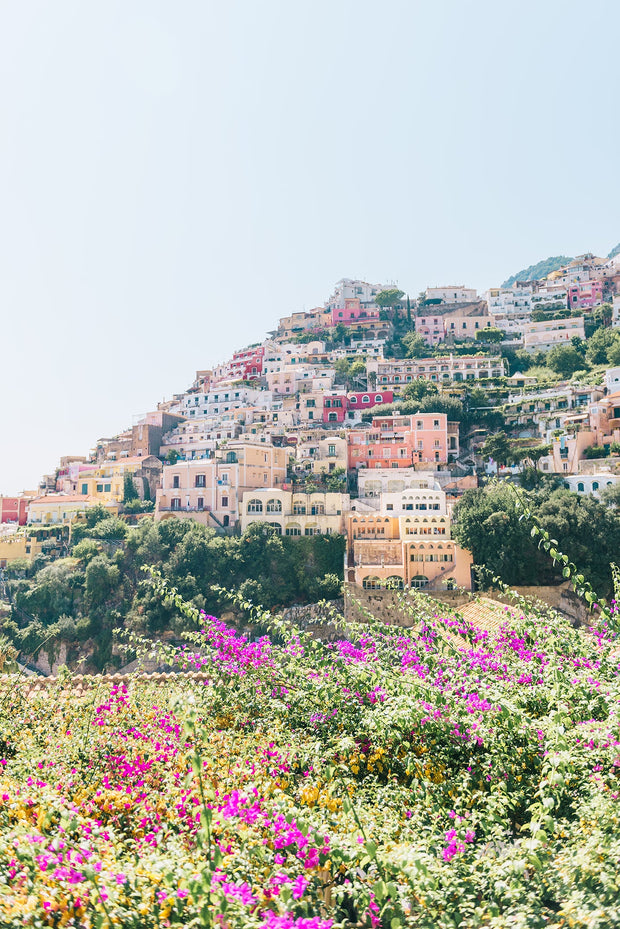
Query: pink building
pixel 353 312
pixel 337 406
pixel 400 441
pixel 431 328
pixel 14 509
pixel 334 408
pixel 245 365
pixel 365 401
pixel 584 295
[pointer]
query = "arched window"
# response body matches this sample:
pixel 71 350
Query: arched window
pixel 580 487
pixel 274 506
pixel 394 582
pixel 379 398
pixel 371 582
pixel 293 529
pixel 419 581
pixel 255 506
pixel 595 485
pixel 365 399
pixel 277 527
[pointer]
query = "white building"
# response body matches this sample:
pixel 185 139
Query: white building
pixel 612 380
pixel 349 289
pixel 452 294
pixel 547 334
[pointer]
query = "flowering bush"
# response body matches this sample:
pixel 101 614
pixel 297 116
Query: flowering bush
pixel 437 776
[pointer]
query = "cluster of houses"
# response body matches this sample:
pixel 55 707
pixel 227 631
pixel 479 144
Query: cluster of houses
pixel 281 435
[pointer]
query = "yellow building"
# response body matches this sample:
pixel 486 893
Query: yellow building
pixel 23 545
pixel 295 514
pixel 54 509
pixel 105 481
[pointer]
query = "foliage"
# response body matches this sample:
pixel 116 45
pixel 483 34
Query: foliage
pixel 600 344
pixel 565 360
pixel 415 346
pixel 129 489
pixel 390 297
pixel 490 334
pixel 487 522
pixel 418 389
pixel 539 270
pixel 436 776
pixel 101 585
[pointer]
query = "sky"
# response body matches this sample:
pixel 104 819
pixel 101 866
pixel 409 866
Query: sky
pixel 174 177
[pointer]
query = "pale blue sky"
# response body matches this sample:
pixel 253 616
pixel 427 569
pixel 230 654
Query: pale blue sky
pixel 176 176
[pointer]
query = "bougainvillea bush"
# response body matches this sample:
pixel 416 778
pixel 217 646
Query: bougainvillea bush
pixel 433 776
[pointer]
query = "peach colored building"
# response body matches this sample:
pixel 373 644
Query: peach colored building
pixel 413 549
pixel 400 441
pixel 210 490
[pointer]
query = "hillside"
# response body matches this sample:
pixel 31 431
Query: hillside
pixel 615 251
pixel 538 271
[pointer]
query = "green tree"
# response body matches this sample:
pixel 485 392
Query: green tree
pixel 611 495
pixel 418 389
pixel 172 456
pixel 414 345
pixel 389 298
pixel 565 360
pixel 490 334
pixel 129 489
pixel 599 344
pixel 497 448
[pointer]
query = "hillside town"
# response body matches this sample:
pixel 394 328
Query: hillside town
pixel 367 417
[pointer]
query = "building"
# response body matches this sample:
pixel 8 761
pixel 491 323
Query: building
pixel 451 294
pixel 318 454
pixel 407 543
pixel 105 480
pixel 584 295
pixel 591 483
pixel 349 289
pixel 295 514
pixel 210 490
pixel 544 335
pixel 612 380
pixel 15 509
pixel 52 509
pixel 245 365
pixel 401 442
pixel 430 328
pixel 390 373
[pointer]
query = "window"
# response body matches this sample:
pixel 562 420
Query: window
pixel 99 488
pixel 273 506
pixel 255 506
pixel 331 450
pixel 84 488
pixel 332 417
pixel 299 509
pixel 225 502
pixel 293 529
pixel 175 503
pixel 201 503
pixel 379 398
pixel 435 424
pixel 200 481
pixel 176 481
pixel 365 399
pixel 107 488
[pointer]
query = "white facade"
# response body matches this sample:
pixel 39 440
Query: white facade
pixel 373 483
pixel 547 334
pixel 349 289
pixel 612 380
pixel 452 294
pixel 591 483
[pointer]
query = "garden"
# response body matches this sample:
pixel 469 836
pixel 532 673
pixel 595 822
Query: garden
pixel 445 774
